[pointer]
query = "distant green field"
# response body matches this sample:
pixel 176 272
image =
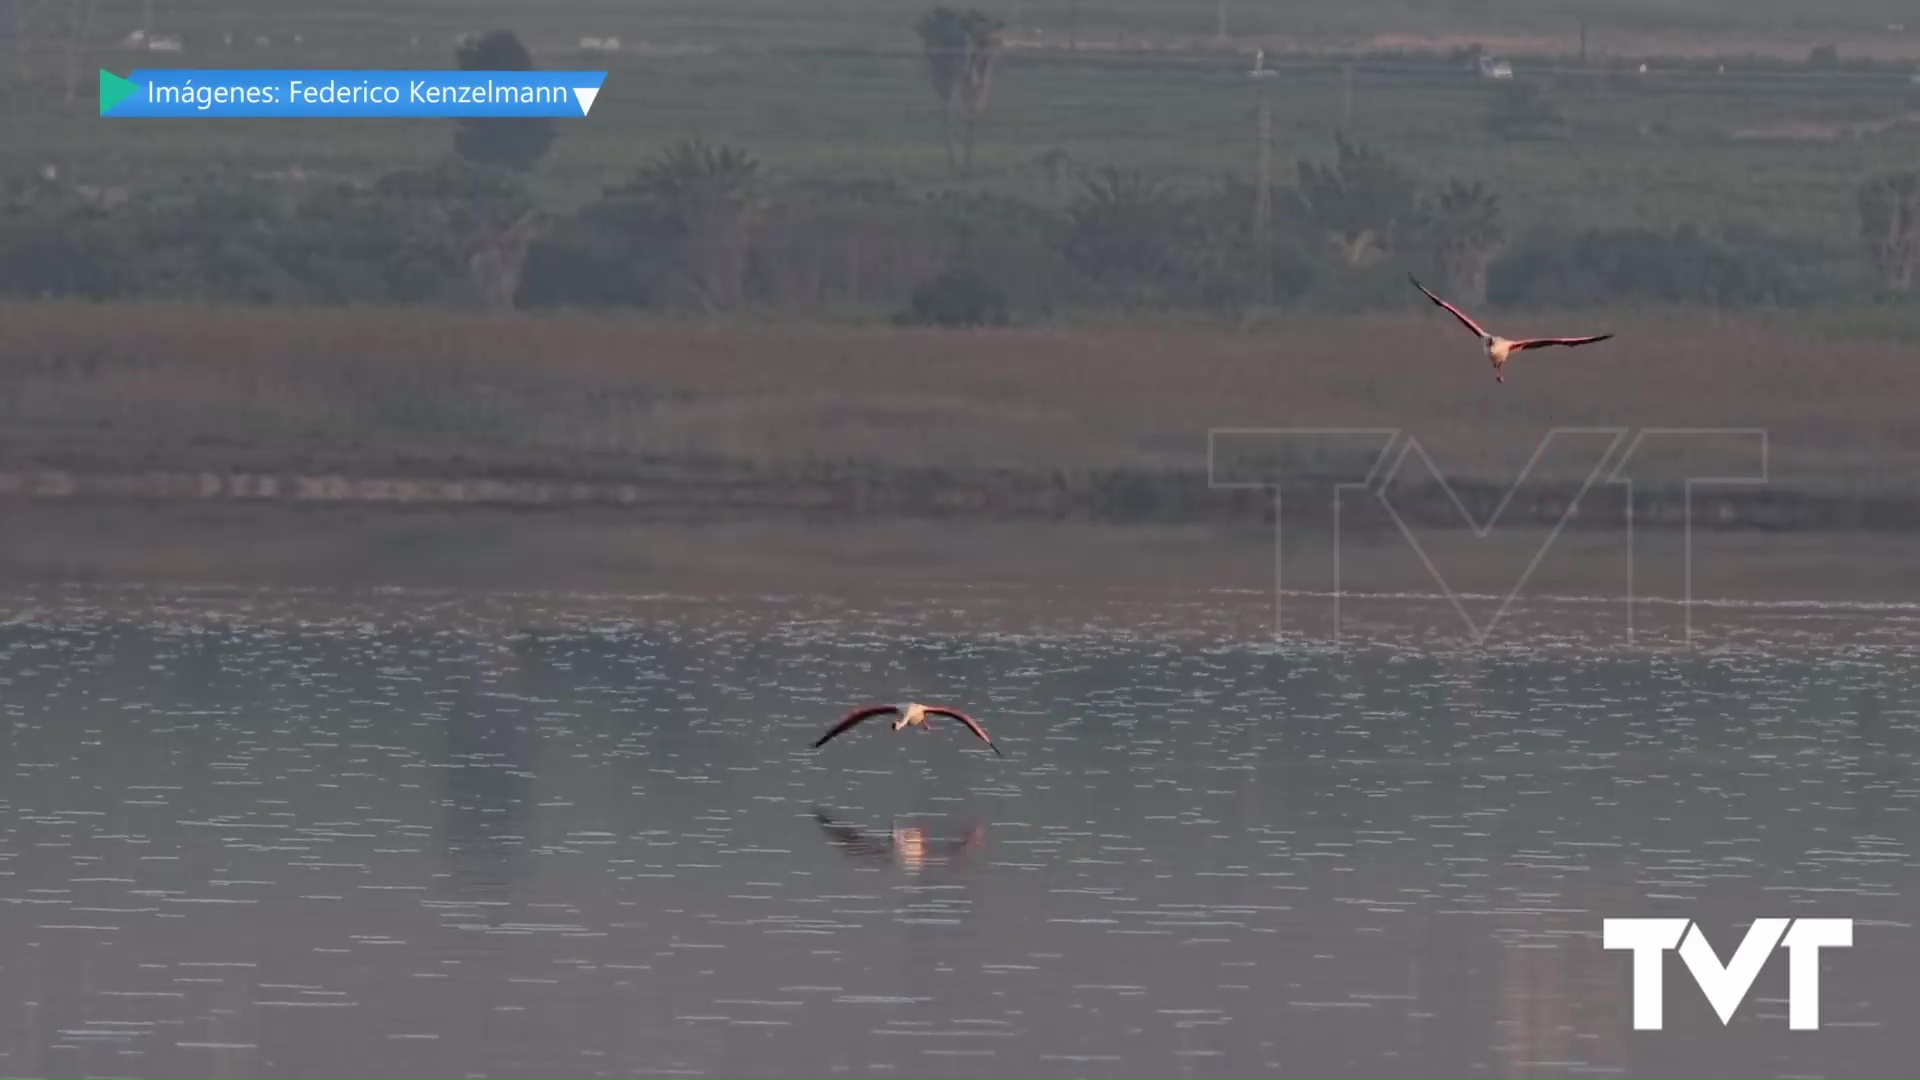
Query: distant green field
pixel 353 23
pixel 1662 154
pixel 835 88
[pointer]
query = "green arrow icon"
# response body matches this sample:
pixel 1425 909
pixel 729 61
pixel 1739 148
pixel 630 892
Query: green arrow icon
pixel 114 90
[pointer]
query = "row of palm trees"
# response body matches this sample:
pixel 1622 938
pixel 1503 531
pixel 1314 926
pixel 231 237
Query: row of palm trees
pixel 1357 210
pixel 1368 209
pixel 1126 228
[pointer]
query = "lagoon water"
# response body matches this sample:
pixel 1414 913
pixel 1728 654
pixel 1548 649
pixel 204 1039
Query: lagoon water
pixel 243 837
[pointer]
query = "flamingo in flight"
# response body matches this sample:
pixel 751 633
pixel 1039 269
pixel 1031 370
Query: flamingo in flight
pixel 1499 349
pixel 910 715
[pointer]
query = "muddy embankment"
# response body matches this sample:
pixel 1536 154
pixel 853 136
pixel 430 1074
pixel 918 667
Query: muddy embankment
pixel 652 419
pixel 1115 496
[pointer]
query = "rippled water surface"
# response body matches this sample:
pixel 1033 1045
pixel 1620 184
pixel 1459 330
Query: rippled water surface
pixel 251 836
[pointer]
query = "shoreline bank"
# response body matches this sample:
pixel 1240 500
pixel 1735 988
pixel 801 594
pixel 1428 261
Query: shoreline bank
pixel 600 550
pixel 1090 497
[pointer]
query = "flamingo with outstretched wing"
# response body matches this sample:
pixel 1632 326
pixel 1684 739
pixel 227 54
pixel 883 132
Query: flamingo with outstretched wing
pixel 1499 349
pixel 911 714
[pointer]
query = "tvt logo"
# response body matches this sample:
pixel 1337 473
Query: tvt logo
pixel 1342 465
pixel 1726 985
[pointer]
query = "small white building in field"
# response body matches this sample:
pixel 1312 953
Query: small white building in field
pixel 140 39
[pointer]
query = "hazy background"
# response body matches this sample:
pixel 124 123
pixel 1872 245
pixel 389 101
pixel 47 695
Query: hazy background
pixel 896 262
pixel 1729 173
pixel 428 548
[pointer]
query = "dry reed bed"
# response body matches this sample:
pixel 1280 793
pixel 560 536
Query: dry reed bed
pixel 414 392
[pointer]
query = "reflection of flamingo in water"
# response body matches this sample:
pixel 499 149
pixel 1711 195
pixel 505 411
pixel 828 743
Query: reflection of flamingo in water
pixel 1554 1014
pixel 906 846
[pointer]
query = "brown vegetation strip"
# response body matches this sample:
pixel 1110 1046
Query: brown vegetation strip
pixel 1120 496
pixel 424 491
pixel 134 389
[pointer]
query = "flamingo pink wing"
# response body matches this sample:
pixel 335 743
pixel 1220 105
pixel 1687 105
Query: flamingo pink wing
pixel 1454 311
pixel 852 719
pixel 1541 343
pixel 972 725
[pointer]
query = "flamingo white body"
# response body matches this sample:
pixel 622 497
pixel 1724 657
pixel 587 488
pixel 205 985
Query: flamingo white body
pixel 912 714
pixel 1499 349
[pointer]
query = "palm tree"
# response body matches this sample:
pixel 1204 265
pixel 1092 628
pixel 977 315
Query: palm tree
pixel 710 193
pixel 1113 188
pixel 1463 225
pixel 1890 224
pixel 1362 202
pixel 465 216
pixel 693 175
pixel 1129 232
pixel 961 48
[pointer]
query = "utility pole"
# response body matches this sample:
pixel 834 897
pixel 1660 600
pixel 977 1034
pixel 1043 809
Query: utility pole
pixel 19 57
pixel 1263 199
pixel 79 25
pixel 1073 26
pixel 1220 22
pixel 1346 96
pixel 72 72
pixel 50 29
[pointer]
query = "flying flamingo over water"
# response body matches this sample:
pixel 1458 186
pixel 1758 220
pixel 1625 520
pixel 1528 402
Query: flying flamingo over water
pixel 910 715
pixel 1499 349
